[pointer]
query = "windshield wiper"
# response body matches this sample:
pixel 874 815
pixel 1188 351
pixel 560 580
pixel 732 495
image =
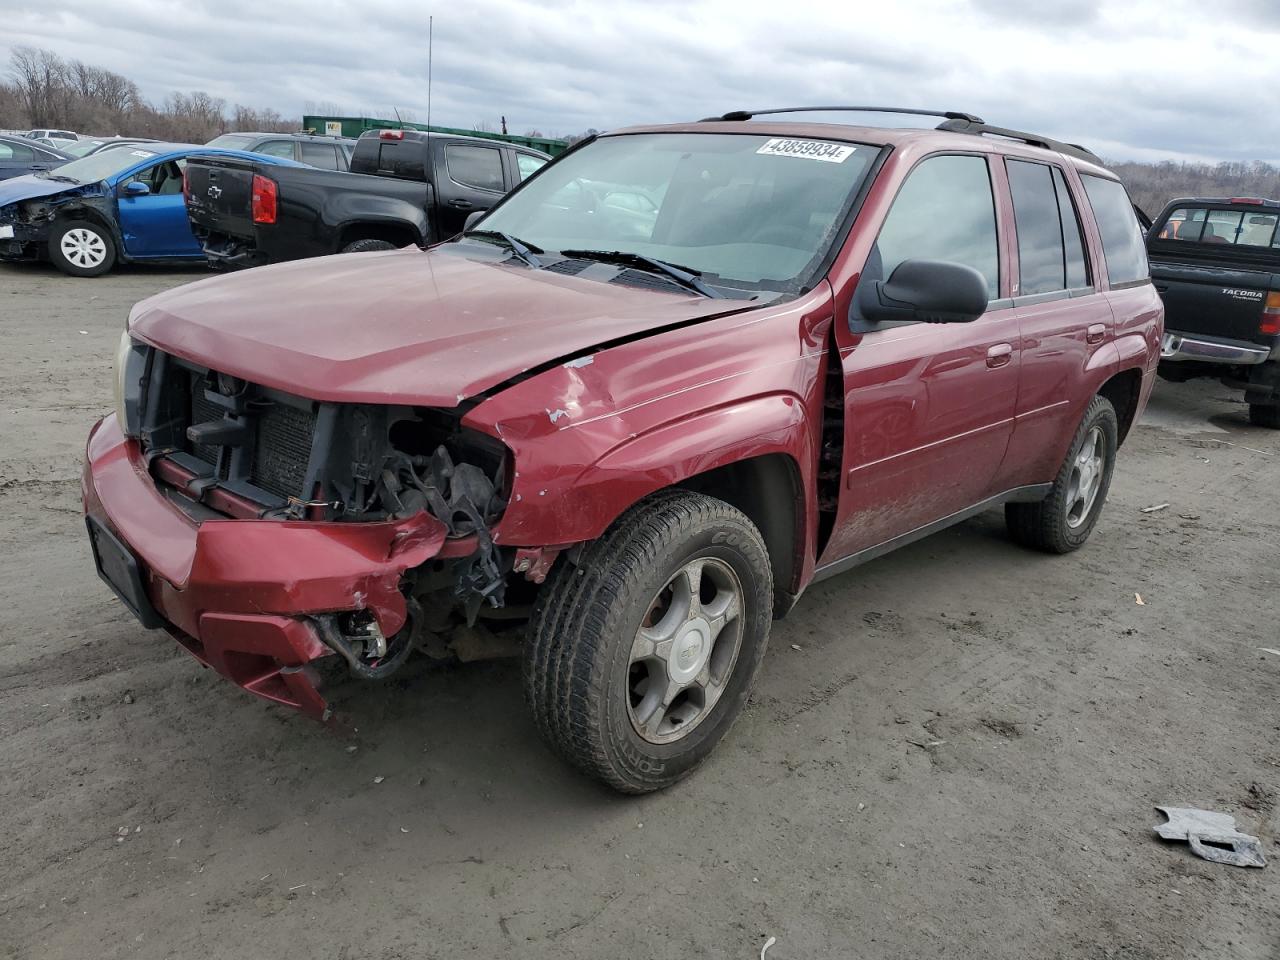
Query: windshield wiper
pixel 62 178
pixel 524 251
pixel 685 276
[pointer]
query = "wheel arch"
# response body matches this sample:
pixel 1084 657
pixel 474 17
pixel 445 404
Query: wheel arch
pixel 399 233
pixel 760 487
pixel 1124 390
pixel 94 214
pixel 755 454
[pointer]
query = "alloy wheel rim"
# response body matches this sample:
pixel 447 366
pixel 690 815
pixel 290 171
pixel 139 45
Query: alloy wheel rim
pixel 685 650
pixel 84 248
pixel 1086 478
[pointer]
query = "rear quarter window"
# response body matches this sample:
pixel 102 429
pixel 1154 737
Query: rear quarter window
pixel 1122 245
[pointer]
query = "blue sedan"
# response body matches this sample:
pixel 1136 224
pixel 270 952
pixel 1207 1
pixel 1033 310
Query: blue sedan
pixel 119 206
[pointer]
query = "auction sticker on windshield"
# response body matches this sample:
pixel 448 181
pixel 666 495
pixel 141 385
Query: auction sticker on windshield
pixel 808 149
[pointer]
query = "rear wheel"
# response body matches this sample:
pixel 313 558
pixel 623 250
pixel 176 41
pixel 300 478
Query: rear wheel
pixel 1063 520
pixel 368 246
pixel 642 654
pixel 1265 415
pixel 81 248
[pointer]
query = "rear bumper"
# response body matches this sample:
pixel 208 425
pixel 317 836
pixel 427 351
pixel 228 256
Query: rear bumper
pixel 239 594
pixel 224 250
pixel 1181 346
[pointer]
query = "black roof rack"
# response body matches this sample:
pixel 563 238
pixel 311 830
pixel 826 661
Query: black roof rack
pixel 978 128
pixel 748 114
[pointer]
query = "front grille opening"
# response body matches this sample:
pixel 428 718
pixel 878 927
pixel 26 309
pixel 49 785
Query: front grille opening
pixel 281 436
pixel 204 410
pixel 282 449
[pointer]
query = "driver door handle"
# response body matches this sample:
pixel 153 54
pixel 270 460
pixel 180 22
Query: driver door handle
pixel 461 204
pixel 999 355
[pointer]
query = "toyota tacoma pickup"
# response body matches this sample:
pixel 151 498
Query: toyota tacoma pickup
pixel 1216 264
pixel 412 188
pixel 628 433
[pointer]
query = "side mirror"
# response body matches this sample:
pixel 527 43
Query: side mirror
pixel 136 188
pixel 928 291
pixel 472 218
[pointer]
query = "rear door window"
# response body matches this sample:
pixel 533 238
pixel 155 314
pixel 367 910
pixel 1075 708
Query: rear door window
pixel 277 148
pixel 1050 245
pixel 16 151
pixel 322 155
pixel 478 167
pixel 1072 235
pixel 944 211
pixel 1041 256
pixel 1122 244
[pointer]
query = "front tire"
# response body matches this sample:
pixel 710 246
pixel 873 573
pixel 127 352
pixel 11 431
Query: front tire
pixel 1062 521
pixel 367 246
pixel 81 248
pixel 642 654
pixel 1265 415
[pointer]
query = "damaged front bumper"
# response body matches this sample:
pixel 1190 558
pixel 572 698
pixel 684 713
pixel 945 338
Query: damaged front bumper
pixel 21 241
pixel 242 596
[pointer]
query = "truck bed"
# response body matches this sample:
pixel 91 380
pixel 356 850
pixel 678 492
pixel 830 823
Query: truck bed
pixel 313 209
pixel 1217 285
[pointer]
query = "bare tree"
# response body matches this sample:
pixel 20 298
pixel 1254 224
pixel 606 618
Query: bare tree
pixel 38 77
pixel 1152 185
pixel 263 121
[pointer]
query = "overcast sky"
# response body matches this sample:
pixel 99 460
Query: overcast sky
pixel 1133 79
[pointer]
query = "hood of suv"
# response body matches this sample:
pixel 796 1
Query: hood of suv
pixel 427 328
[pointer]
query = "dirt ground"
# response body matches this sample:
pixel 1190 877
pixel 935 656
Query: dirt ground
pixel 953 752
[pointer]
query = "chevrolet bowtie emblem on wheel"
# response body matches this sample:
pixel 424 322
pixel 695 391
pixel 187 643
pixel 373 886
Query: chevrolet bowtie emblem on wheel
pixel 215 191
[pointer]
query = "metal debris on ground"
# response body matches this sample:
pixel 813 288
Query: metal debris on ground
pixel 1137 598
pixel 1212 836
pixel 1270 650
pixel 1156 509
pixel 767 944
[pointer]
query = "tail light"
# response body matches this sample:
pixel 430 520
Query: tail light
pixel 1270 325
pixel 390 134
pixel 264 199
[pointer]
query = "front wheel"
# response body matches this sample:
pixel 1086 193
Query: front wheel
pixel 1063 520
pixel 1265 415
pixel 367 246
pixel 81 248
pixel 642 654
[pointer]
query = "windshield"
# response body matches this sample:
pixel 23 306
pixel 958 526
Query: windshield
pixel 99 166
pixel 742 210
pixel 232 141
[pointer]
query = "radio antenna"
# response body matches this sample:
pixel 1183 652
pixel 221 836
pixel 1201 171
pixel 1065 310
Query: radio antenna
pixel 430 32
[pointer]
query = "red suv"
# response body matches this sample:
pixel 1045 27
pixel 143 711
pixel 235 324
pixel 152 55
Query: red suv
pixel 676 377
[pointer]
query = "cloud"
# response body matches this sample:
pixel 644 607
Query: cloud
pixel 1145 78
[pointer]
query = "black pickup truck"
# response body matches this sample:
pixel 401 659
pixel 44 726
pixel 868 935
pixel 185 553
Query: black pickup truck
pixel 405 187
pixel 1216 264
